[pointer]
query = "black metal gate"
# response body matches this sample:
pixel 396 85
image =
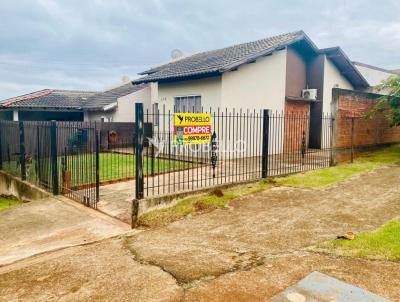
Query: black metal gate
pixel 78 149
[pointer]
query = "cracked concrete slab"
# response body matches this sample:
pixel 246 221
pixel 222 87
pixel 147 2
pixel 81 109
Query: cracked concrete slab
pixel 250 251
pixel 102 271
pixel 276 274
pixel 276 220
pixel 44 225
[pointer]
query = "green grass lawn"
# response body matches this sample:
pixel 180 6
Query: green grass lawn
pixel 112 166
pixel 383 243
pixel 324 177
pixel 7 202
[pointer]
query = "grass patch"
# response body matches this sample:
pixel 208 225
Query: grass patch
pixel 199 203
pixel 383 243
pixel 112 166
pixel 8 202
pixel 324 177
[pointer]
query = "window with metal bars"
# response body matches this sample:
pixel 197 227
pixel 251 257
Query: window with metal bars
pixel 191 103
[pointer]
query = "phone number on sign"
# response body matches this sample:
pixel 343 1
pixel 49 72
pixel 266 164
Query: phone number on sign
pixel 198 138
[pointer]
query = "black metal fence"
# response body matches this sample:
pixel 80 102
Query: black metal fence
pixel 77 158
pixel 246 145
pixel 60 157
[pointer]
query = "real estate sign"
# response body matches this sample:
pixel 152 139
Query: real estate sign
pixel 192 128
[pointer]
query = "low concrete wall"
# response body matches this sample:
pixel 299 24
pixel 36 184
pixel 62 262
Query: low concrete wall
pixel 139 207
pixel 10 185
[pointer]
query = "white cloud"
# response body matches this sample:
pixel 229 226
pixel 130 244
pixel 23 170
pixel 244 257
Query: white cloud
pixel 87 44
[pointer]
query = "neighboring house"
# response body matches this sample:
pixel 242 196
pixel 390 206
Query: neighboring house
pixel 374 75
pixel 266 74
pixel 116 104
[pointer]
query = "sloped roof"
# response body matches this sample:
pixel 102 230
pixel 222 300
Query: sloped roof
pixel 220 60
pixel 373 67
pixel 70 99
pixel 101 99
pixel 215 62
pixel 346 66
pixel 49 98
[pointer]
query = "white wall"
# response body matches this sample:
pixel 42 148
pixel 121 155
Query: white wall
pixel 260 85
pixel 98 115
pixel 332 79
pixel 125 111
pixel 373 76
pixel 209 89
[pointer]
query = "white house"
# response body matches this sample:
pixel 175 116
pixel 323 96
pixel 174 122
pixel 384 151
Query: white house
pixel 271 73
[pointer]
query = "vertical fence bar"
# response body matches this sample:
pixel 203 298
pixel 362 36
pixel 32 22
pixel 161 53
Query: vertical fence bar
pixel 332 142
pixel 38 172
pixel 352 140
pixel 53 152
pixel 1 147
pixel 265 143
pixel 139 135
pixel 22 150
pixel 97 166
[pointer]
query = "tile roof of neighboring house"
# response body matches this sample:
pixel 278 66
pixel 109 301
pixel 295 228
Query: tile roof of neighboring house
pixel 374 67
pixel 215 62
pixel 101 99
pixel 68 99
pixel 49 98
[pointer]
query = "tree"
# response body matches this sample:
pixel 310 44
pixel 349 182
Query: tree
pixel 390 103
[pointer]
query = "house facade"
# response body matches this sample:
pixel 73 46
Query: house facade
pixel 266 74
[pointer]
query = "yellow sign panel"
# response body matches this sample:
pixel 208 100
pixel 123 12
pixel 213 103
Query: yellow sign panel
pixel 192 128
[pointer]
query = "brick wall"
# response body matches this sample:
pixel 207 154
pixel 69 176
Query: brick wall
pixel 368 133
pixel 296 123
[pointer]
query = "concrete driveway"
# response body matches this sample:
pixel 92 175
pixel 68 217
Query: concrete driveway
pixel 250 251
pixel 44 225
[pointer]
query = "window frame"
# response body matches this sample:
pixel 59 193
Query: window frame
pixel 195 97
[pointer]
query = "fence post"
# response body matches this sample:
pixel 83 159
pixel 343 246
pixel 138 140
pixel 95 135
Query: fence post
pixel 22 149
pixel 1 148
pixel 53 152
pixel 265 144
pixel 37 164
pixel 332 141
pixel 352 140
pixel 139 136
pixel 97 165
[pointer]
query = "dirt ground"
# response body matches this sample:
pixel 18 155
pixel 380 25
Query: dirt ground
pixel 250 251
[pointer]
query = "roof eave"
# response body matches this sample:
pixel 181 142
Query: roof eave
pixel 361 83
pixel 187 77
pixel 45 108
pixel 110 106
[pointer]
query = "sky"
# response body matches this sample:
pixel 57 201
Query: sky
pixel 91 44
